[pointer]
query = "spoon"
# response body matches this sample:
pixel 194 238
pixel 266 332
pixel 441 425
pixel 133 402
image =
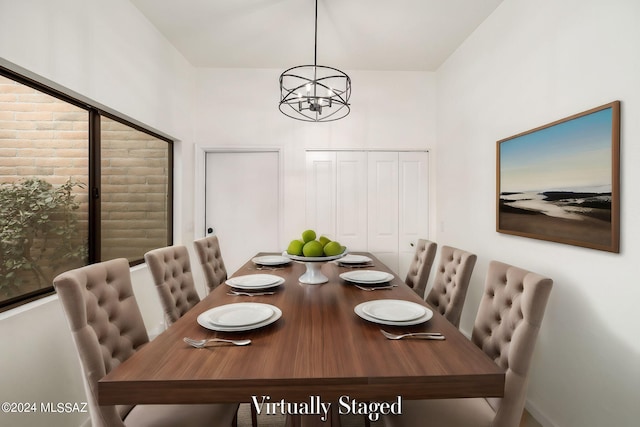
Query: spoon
pixel 202 343
pixel 421 335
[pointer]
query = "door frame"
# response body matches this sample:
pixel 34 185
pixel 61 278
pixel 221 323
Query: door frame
pixel 199 213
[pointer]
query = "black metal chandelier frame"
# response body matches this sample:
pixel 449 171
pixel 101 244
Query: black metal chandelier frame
pixel 315 93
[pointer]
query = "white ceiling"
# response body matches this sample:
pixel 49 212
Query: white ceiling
pixel 407 35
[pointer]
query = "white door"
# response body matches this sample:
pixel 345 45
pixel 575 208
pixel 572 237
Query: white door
pixel 242 203
pixel 351 199
pixel 321 193
pixel 383 207
pixel 413 221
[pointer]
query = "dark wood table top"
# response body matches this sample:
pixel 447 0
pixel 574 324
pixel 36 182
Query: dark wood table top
pixel 319 347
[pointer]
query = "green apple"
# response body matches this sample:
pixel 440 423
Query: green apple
pixel 295 247
pixel 308 235
pixel 312 249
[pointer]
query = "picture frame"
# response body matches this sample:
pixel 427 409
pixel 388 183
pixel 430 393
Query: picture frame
pixel 560 182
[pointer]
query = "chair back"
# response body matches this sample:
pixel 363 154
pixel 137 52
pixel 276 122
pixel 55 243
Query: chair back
pixel 449 290
pixel 506 328
pixel 171 271
pixel 420 267
pixel 208 250
pixel 106 325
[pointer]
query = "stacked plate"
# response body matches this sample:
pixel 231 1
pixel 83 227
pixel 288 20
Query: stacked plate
pixel 367 277
pixel 353 260
pixel 255 281
pixel 271 260
pixel 242 316
pixel 393 312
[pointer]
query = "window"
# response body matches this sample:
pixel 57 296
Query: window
pixel 77 186
pixel 135 191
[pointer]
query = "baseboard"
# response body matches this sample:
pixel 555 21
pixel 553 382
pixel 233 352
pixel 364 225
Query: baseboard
pixel 539 416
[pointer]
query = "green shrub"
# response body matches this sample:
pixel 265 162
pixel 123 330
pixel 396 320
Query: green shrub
pixel 39 234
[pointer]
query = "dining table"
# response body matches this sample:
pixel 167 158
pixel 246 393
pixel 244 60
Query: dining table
pixel 318 349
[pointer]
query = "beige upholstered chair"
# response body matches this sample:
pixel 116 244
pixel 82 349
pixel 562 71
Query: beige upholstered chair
pixel 420 267
pixel 506 329
pixel 208 250
pixel 171 271
pixel 107 328
pixel 451 282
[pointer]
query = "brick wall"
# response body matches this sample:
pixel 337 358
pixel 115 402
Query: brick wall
pixel 134 191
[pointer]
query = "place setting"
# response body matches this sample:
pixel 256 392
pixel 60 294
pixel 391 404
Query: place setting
pixel 369 280
pixel 355 261
pixel 393 312
pixel 254 284
pixel 238 317
pixel 270 262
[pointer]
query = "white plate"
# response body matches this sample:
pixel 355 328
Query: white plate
pixel 314 258
pixel 239 314
pixel 354 259
pixel 203 320
pixel 271 260
pixel 394 310
pixel 367 277
pixel 255 281
pixel 258 288
pixel 428 314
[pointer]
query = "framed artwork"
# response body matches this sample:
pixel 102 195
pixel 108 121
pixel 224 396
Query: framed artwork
pixel 560 182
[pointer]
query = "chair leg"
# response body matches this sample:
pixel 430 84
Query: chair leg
pixel 254 416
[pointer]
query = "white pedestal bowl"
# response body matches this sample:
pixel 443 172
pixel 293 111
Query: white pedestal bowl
pixel 313 275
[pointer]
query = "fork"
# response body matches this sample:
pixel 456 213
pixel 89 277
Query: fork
pixel 356 265
pixel 203 343
pixel 420 335
pixel 264 267
pixel 375 288
pixel 251 294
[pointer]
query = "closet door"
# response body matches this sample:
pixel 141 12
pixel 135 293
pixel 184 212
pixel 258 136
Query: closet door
pixel 321 192
pixel 383 207
pixel 413 221
pixel 351 199
pixel 373 201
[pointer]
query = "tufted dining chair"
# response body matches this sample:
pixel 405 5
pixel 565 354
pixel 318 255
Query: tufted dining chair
pixel 208 250
pixel 107 328
pixel 420 267
pixel 171 271
pixel 450 285
pixel 506 328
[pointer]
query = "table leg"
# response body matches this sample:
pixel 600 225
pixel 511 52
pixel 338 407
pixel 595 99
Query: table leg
pixel 314 420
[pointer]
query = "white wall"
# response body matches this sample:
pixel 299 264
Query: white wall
pixel 529 64
pixel 107 52
pixel 239 109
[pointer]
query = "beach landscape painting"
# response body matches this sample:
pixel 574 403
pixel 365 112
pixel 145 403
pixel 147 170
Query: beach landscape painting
pixel 560 182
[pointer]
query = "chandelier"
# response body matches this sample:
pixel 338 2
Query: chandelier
pixel 315 93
